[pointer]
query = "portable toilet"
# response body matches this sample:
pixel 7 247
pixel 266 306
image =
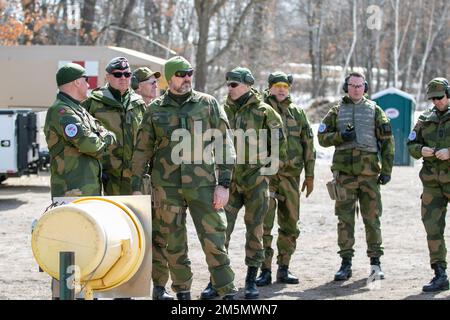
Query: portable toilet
pixel 399 106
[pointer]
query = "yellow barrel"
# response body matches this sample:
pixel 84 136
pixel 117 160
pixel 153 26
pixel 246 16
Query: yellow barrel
pixel 106 236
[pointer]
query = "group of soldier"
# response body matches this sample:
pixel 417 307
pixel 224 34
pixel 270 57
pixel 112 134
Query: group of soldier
pixel 110 141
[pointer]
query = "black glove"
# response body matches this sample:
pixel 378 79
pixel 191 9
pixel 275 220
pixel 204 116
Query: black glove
pixel 349 134
pixel 383 179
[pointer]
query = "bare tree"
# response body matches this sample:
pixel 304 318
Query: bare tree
pixel 352 47
pixel 431 36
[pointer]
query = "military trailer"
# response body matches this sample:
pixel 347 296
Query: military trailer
pixel 19 150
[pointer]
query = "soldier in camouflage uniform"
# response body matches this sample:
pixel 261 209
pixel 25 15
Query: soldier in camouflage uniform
pixel 285 185
pixel 145 83
pixel 182 180
pixel 76 141
pixel 360 132
pixel 250 187
pixel 430 140
pixel 120 110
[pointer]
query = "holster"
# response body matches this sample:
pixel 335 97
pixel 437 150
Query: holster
pixel 146 184
pixel 336 190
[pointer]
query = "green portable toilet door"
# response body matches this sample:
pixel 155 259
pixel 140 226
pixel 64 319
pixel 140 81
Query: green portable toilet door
pixel 395 109
pixel 399 108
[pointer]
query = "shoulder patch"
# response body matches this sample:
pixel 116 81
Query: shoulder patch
pixel 322 127
pixel 412 136
pixel 62 111
pixel 71 130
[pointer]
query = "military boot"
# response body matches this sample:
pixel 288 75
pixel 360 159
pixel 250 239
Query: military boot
pixel 160 293
pixel 265 278
pixel 184 295
pixel 251 292
pixel 284 276
pixel 375 269
pixel 440 280
pixel 229 296
pixel 345 272
pixel 209 293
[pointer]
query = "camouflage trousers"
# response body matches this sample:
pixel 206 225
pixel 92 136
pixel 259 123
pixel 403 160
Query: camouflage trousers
pixel 160 266
pixel 256 203
pixel 170 241
pixel 434 209
pixel 285 201
pixel 366 190
pixel 116 185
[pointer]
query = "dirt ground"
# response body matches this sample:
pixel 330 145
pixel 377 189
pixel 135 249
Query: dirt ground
pixel 405 262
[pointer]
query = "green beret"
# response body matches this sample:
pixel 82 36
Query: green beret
pixel 68 73
pixel 437 87
pixel 175 64
pixel 117 63
pixel 240 74
pixel 279 76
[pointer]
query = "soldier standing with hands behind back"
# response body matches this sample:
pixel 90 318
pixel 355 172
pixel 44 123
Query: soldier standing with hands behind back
pixel 361 132
pixel 430 140
pixel 285 185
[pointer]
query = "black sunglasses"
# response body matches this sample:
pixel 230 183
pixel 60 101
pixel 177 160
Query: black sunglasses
pixel 126 74
pixel 86 78
pixel 184 73
pixel 233 84
pixel 437 98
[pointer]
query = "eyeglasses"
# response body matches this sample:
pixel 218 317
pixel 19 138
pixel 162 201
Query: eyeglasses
pixel 281 85
pixel 437 98
pixel 184 73
pixel 117 74
pixel 86 78
pixel 233 84
pixel 356 86
pixel 152 82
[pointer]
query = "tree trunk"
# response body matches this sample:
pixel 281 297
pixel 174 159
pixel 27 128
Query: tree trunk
pixel 201 7
pixel 124 21
pixel 88 18
pixel 352 47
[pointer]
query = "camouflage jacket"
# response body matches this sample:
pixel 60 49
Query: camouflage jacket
pixel 300 140
pixel 76 142
pixel 173 138
pixel 355 161
pixel 431 130
pixel 123 120
pixel 252 118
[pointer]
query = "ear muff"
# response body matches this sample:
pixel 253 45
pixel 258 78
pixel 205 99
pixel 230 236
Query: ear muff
pixel 447 88
pixel 345 85
pixel 248 78
pixel 290 79
pixel 134 82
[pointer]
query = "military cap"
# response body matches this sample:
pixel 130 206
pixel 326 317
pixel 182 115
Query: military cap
pixel 142 74
pixel 437 87
pixel 240 74
pixel 68 73
pixel 279 76
pixel 174 64
pixel 117 63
